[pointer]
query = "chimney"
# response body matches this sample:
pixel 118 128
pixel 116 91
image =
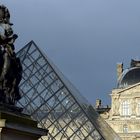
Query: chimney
pixel 98 103
pixel 119 70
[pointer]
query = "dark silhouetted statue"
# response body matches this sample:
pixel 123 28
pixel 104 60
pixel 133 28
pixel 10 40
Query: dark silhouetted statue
pixel 10 66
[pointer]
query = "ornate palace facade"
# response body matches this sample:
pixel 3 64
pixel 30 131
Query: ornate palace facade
pixel 124 115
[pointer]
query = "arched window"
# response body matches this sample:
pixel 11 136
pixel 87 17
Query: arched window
pixel 125 108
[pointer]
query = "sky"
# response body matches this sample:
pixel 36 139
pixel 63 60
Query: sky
pixel 84 38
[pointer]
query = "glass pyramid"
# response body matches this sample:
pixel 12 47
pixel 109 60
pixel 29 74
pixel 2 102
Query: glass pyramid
pixel 55 103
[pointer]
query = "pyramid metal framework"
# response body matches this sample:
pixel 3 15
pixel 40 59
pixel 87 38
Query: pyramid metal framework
pixel 55 103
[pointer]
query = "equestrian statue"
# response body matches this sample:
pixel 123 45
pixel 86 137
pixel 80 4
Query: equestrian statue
pixel 10 66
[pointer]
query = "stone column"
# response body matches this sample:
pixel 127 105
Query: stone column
pixel 134 106
pixel 119 70
pixel 19 127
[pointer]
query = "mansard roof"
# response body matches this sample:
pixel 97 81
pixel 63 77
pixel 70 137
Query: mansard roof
pixel 131 75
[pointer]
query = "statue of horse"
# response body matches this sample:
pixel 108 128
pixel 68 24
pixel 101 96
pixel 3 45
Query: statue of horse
pixel 10 66
pixel 10 77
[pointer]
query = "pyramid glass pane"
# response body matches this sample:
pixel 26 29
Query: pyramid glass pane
pixel 54 102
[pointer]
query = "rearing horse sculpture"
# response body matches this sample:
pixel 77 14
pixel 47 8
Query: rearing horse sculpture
pixel 10 76
pixel 10 66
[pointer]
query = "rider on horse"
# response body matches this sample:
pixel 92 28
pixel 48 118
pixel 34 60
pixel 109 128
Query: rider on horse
pixel 10 73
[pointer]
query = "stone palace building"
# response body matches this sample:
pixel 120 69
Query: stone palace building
pixel 124 114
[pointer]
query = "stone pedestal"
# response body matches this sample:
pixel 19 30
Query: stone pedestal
pixel 18 126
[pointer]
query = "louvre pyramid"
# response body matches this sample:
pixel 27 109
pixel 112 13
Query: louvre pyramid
pixel 55 103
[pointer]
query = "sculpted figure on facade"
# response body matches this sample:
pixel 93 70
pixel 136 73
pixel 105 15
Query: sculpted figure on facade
pixel 116 106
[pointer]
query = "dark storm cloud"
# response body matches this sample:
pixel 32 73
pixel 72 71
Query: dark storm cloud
pixel 84 38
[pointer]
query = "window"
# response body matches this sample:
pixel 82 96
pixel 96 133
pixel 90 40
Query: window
pixel 139 108
pixel 125 108
pixel 125 128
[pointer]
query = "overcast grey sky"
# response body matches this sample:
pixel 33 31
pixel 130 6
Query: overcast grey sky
pixel 84 38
